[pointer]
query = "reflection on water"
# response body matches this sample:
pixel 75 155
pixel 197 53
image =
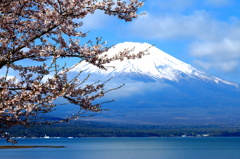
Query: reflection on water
pixel 127 148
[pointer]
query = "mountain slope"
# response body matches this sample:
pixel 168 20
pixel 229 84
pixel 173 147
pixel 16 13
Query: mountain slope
pixel 160 89
pixel 157 65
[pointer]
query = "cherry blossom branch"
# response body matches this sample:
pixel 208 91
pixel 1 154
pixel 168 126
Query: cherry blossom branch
pixel 37 31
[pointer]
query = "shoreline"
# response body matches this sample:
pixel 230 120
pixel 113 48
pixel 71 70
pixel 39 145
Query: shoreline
pixel 16 147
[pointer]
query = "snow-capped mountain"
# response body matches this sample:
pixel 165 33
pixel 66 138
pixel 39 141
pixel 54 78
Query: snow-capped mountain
pixel 160 89
pixel 156 65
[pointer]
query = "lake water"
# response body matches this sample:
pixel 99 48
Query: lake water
pixel 127 148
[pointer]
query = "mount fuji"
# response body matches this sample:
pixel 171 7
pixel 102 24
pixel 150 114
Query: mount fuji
pixel 160 89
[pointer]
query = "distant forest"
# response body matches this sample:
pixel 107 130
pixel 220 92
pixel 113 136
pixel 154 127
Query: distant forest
pixel 97 129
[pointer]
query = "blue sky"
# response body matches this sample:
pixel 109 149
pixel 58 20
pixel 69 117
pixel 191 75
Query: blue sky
pixel 203 33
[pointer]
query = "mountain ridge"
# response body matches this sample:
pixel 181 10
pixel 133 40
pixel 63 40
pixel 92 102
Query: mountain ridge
pixel 157 65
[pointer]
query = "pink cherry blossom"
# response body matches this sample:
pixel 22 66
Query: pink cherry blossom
pixel 43 31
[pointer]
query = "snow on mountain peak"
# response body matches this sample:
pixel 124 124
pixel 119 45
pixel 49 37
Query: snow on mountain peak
pixel 157 64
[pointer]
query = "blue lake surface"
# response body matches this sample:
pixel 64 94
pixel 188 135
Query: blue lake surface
pixel 127 148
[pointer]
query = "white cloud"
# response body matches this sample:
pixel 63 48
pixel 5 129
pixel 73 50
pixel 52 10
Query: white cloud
pixel 132 88
pixel 225 66
pixel 172 4
pixel 218 3
pixel 198 25
pixel 225 49
pixel 222 54
pixel 96 21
